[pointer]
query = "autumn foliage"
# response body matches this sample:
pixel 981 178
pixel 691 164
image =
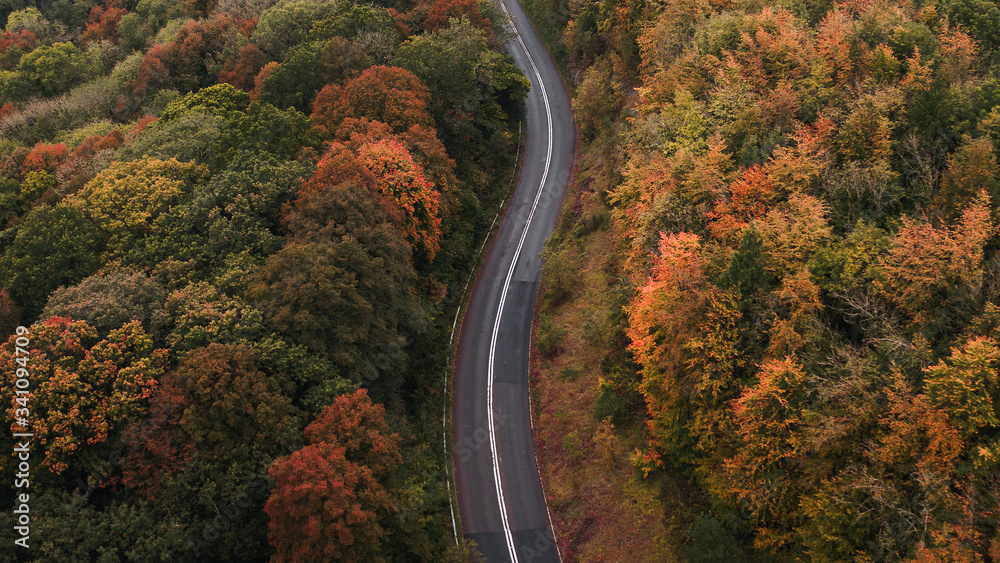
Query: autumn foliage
pixel 86 390
pixel 387 94
pixel 328 499
pixel 807 228
pixel 44 157
pixel 388 170
pixel 241 69
pixel 204 269
pixel 103 21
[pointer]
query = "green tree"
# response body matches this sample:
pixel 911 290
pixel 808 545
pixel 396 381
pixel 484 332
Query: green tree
pixel 966 386
pixel 350 19
pixel 53 69
pixel 978 18
pixel 348 301
pixel 54 246
pixel 287 24
pixel 232 402
pixel 200 315
pixel 222 100
pixel 191 137
pixel 296 80
pixel 75 529
pixel 265 129
pixel 448 62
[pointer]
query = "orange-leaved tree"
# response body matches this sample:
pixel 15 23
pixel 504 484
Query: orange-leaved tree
pixel 83 391
pixel 681 331
pixel 928 263
pixel 388 171
pixel 329 496
pixel 383 93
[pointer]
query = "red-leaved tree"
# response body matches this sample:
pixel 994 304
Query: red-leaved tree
pixel 388 94
pixel 328 497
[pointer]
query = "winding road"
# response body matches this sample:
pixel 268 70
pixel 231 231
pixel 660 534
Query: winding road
pixel 499 492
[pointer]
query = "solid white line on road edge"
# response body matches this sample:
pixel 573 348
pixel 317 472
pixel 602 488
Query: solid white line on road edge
pixel 503 296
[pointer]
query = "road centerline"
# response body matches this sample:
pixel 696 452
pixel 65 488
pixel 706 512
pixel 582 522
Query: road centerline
pixel 503 296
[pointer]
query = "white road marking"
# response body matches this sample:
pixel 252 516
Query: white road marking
pixel 503 296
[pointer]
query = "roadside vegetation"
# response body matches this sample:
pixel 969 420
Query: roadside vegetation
pixel 774 292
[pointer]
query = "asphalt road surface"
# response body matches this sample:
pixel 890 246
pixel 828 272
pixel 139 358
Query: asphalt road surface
pixel 499 492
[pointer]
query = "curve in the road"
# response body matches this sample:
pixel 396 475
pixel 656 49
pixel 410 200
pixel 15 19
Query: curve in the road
pixel 506 287
pixel 500 495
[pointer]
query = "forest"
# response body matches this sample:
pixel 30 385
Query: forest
pixel 794 319
pixel 233 235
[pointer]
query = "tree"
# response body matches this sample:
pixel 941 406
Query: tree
pixel 200 315
pixel 794 230
pixel 85 391
pixel 103 21
pixel 44 157
pixel 53 69
pixel 13 45
pixel 222 100
pixel 182 62
pixel 662 318
pixel 287 24
pixel 750 198
pixel 240 208
pixel 388 94
pixel 34 186
pixel 108 301
pixel 324 507
pixel 341 60
pixel 420 141
pixel 450 60
pixel 349 20
pixel 192 137
pixel 296 80
pixel 10 313
pixel 346 300
pixel 769 417
pixel 265 129
pixel 387 169
pixel 156 448
pixel 966 387
pixel 231 402
pixel 54 246
pixel 328 497
pixel 75 528
pixel 130 200
pixel 446 10
pixel 979 18
pixel 971 168
pixel 357 424
pixel 597 99
pixel 918 433
pixel 926 263
pixel 240 70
